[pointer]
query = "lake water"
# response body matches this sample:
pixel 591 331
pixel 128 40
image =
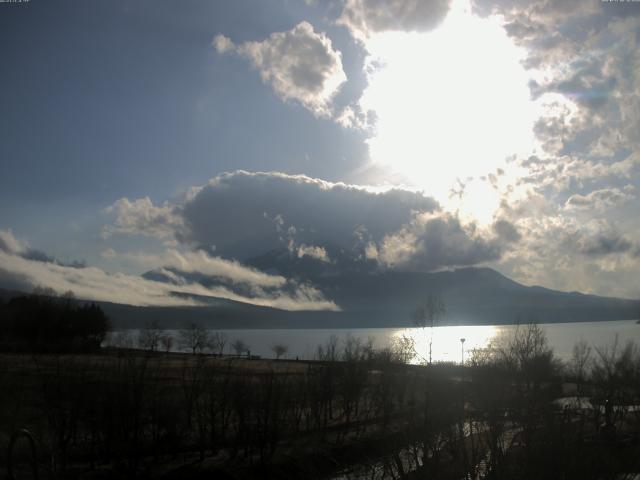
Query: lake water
pixel 446 345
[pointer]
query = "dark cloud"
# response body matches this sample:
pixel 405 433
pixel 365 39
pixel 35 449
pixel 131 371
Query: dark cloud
pixel 431 242
pixel 245 214
pixel 594 238
pixel 506 231
pixel 604 243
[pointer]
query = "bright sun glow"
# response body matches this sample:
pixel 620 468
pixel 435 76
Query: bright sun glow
pixel 451 104
pixel 445 341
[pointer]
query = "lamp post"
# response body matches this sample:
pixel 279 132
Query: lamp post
pixel 462 346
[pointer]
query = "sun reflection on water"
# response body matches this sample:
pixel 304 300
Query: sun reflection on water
pixel 445 341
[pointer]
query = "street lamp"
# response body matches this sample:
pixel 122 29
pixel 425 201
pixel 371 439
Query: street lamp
pixel 462 345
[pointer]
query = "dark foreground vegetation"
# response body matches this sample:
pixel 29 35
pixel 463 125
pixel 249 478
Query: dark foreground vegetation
pixel 355 412
pixel 44 322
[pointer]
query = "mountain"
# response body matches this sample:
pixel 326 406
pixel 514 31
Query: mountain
pixel 369 297
pixel 471 295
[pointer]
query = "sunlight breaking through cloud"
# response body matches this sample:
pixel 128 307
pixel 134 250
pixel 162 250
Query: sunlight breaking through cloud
pixel 451 104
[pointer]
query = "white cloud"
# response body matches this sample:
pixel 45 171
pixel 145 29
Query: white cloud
pixel 312 251
pixel 602 199
pixel 10 244
pixel 20 272
pixel 13 246
pixel 90 283
pixel 364 18
pixel 300 65
pixel 202 263
pixel 567 172
pixel 584 55
pixel 223 44
pixel 141 217
pixel 584 62
pixel 565 249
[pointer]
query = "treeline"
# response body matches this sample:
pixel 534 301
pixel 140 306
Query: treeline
pixel 192 337
pixel 46 322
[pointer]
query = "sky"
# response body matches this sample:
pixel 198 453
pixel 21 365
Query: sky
pixel 191 136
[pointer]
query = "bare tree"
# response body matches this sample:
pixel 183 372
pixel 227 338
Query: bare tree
pixel 352 377
pixel 613 374
pixel 580 359
pixel 217 342
pixel 239 347
pixel 329 351
pixel 68 298
pixel 122 339
pixel 427 315
pixel 352 351
pixel 369 348
pixel 279 349
pixel 528 353
pixel 47 292
pixel 149 336
pixel 194 337
pixel 167 342
pixel 403 349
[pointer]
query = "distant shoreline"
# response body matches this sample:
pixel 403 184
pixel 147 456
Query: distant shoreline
pixel 307 327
